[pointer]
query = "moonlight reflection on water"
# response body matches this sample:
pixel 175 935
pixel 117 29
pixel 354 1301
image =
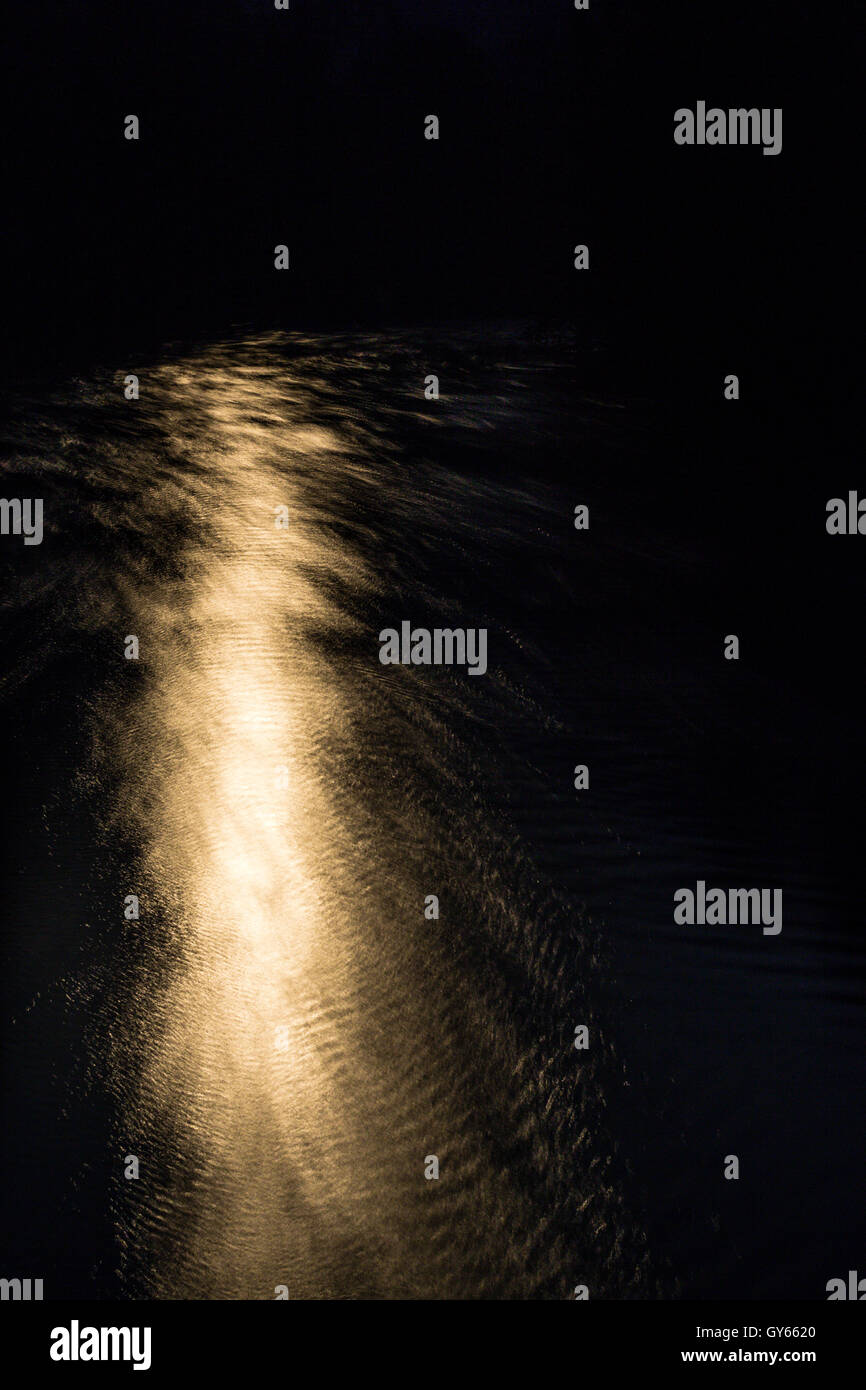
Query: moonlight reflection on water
pixel 284 1039
pixel 307 1038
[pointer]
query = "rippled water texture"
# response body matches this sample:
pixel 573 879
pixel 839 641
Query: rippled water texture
pixel 282 1038
pixel 290 1038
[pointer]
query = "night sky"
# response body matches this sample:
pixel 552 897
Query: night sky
pixel 306 127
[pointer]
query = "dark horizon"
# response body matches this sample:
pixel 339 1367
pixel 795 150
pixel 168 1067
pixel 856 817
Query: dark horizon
pixel 262 127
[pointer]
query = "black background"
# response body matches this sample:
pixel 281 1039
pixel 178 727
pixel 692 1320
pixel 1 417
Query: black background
pixel 306 127
pixel 261 127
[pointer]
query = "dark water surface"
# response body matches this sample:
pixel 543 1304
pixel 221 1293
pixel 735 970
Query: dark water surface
pixel 282 1038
